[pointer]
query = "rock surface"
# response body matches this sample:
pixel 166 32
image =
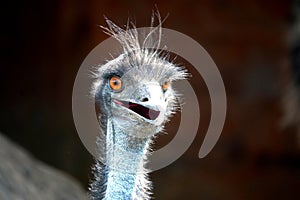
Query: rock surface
pixel 23 177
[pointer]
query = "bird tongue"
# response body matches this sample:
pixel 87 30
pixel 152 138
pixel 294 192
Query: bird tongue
pixel 139 109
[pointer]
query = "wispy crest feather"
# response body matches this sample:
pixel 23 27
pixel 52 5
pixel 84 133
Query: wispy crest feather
pixel 146 48
pixel 129 37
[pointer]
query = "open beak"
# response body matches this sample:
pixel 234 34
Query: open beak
pixel 147 101
pixel 139 109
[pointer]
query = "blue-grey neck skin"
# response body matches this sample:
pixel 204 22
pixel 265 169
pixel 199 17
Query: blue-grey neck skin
pixel 124 171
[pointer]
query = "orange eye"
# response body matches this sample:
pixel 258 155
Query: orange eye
pixel 115 83
pixel 166 85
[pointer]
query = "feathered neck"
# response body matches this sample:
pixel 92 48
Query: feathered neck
pixel 123 176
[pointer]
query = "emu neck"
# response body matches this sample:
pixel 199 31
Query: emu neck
pixel 126 176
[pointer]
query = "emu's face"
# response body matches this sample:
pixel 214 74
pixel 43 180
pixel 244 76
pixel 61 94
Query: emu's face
pixel 140 104
pixel 138 99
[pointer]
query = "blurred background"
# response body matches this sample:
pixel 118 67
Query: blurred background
pixel 43 44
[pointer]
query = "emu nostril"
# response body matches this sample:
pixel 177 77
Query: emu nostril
pixel 144 99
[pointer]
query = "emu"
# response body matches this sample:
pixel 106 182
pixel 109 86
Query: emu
pixel 135 96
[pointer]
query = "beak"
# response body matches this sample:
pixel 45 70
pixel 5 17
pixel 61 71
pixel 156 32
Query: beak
pixel 147 101
pixel 151 96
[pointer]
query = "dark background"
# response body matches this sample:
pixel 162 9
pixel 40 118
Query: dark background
pixel 44 42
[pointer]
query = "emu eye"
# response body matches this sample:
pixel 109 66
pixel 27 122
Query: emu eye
pixel 166 85
pixel 115 83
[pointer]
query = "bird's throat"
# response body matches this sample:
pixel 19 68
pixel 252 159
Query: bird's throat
pixel 125 159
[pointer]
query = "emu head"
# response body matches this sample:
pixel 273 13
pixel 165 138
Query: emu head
pixel 134 90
